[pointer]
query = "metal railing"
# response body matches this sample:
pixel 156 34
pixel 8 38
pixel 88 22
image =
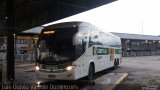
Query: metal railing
pixel 141 53
pixel 24 57
pixel 21 57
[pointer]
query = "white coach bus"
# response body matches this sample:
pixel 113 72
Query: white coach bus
pixel 72 50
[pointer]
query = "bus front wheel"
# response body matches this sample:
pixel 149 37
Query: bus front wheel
pixel 91 72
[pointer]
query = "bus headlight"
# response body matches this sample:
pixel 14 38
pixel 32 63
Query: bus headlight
pixel 38 83
pixel 70 68
pixel 37 68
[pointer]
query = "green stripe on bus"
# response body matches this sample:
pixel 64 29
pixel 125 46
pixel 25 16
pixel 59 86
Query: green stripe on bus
pixel 118 51
pixel 100 51
pixel 104 51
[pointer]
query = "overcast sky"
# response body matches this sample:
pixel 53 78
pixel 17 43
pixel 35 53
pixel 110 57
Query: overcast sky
pixel 124 16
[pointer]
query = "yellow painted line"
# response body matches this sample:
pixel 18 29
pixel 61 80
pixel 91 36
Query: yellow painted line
pixel 118 81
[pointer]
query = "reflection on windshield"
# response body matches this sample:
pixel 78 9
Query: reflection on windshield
pixel 58 46
pixel 55 51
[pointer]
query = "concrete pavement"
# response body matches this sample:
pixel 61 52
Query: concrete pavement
pixel 24 74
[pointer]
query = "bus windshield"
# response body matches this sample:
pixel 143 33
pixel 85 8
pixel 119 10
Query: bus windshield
pixel 56 45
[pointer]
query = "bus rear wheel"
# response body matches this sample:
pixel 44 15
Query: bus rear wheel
pixel 115 64
pixel 91 72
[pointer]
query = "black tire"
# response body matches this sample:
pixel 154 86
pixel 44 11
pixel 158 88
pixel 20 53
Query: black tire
pixel 115 64
pixel 91 72
pixel 118 62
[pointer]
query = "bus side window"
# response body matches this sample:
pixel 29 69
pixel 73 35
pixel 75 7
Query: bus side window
pixel 83 46
pixel 90 42
pixel 94 38
pixel 81 43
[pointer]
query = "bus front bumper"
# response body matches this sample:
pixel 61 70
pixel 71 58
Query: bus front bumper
pixel 67 75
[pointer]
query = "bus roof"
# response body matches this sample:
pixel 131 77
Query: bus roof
pixel 64 25
pixel 73 24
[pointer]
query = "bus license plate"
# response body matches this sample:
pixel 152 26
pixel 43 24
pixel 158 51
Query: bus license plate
pixel 51 76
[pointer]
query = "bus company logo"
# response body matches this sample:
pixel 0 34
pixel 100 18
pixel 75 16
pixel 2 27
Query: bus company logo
pixel 53 67
pixel 50 67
